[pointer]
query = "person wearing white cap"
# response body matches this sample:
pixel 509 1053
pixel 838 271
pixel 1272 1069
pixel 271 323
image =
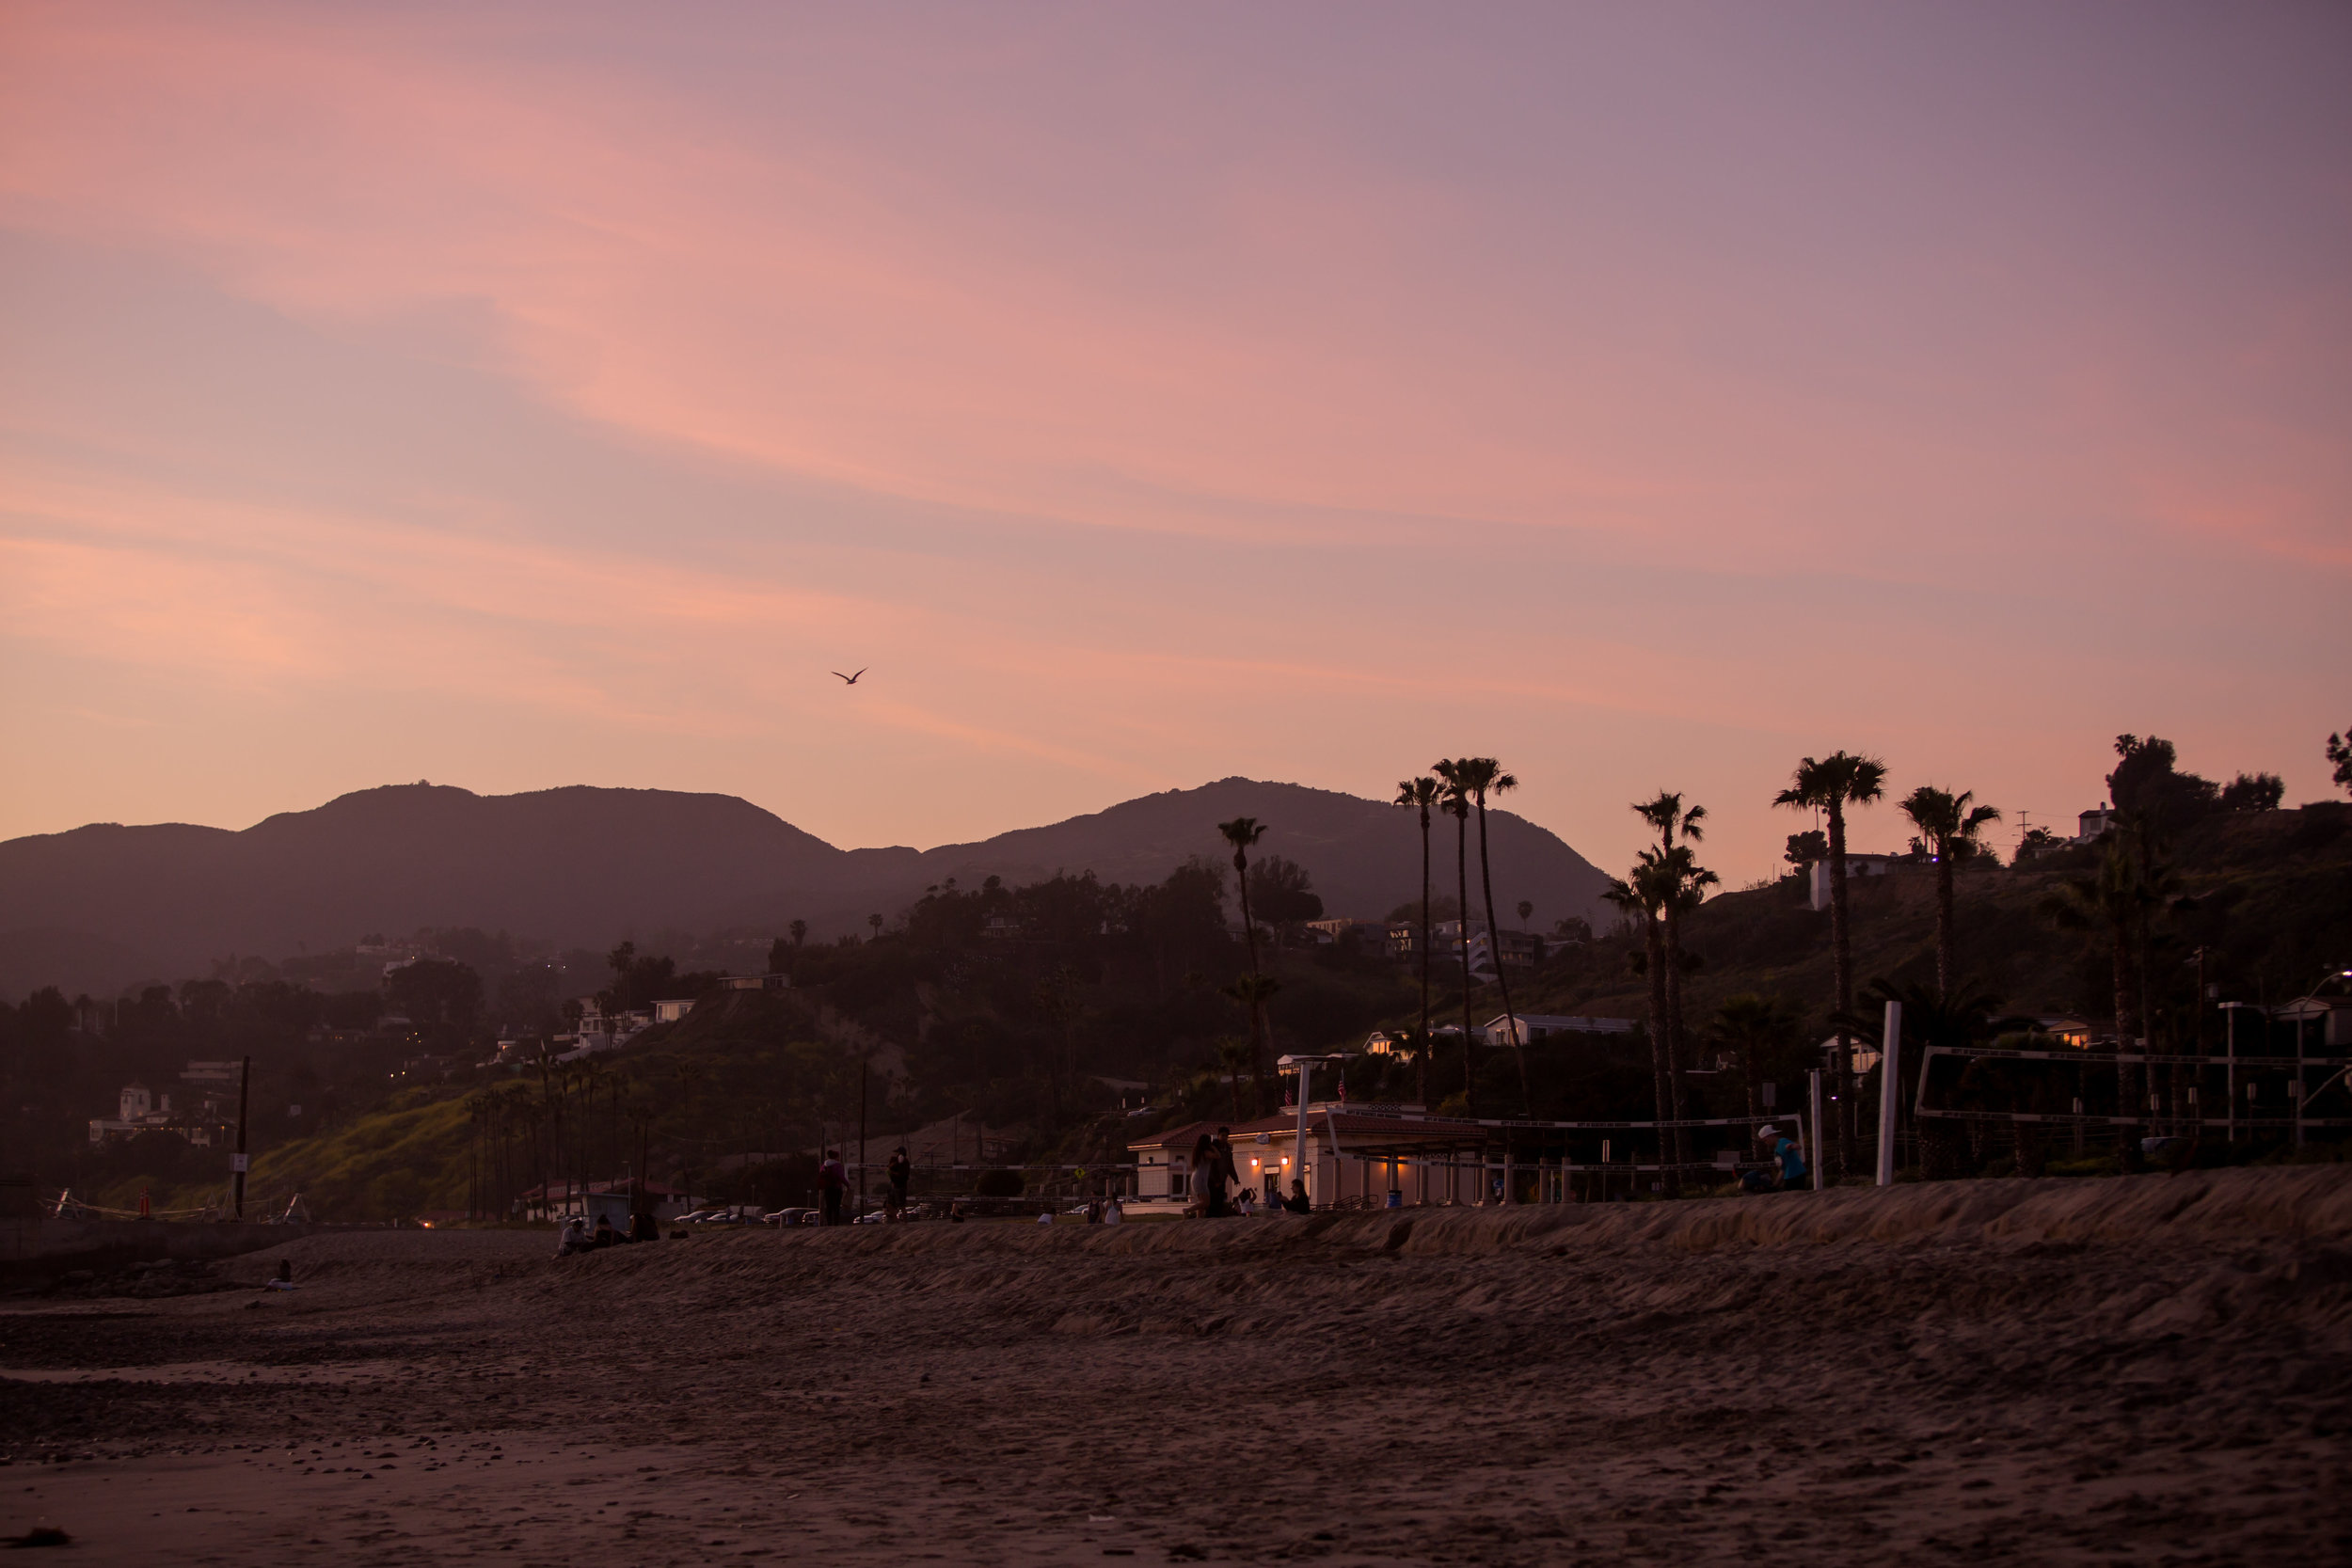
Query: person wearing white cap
pixel 1785 1154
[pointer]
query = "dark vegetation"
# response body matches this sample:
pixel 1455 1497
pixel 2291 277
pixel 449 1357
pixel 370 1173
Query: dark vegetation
pixel 1070 1015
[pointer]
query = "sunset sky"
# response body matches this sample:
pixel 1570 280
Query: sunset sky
pixel 1648 395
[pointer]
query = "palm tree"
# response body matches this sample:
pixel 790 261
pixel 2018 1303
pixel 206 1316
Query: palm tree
pixel 1667 815
pixel 1640 894
pixel 1683 883
pixel 1478 778
pixel 2107 903
pixel 1419 795
pixel 1829 786
pixel 1950 829
pixel 800 931
pixel 1242 832
pixel 1456 805
pixel 1752 1024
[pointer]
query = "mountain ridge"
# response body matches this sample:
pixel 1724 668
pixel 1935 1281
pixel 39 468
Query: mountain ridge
pixel 585 866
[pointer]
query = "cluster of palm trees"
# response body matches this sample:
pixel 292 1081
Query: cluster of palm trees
pixel 517 1133
pixel 1667 882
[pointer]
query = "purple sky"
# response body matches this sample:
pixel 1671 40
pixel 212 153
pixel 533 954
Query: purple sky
pixel 1646 395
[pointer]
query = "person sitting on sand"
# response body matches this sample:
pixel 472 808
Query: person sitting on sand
pixel 1785 1153
pixel 1296 1203
pixel 605 1235
pixel 282 1280
pixel 643 1228
pixel 574 1239
pixel 1112 1213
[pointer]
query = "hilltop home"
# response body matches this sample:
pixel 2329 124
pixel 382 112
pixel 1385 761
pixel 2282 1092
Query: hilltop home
pixel 1856 866
pixel 1537 1027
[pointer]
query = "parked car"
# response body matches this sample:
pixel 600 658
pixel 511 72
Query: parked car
pixel 792 1217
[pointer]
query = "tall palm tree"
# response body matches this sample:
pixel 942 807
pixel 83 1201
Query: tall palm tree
pixel 1243 834
pixel 1640 894
pixel 1668 815
pixel 1830 785
pixel 1683 884
pixel 1951 830
pixel 1478 777
pixel 1755 1025
pixel 2108 904
pixel 1456 805
pixel 1419 795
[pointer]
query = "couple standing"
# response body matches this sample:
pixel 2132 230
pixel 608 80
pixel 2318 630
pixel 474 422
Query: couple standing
pixel 1213 1174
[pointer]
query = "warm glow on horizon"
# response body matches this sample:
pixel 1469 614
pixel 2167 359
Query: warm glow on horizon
pixel 548 395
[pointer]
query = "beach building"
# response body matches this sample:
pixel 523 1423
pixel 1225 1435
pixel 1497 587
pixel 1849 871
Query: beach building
pixel 138 1110
pixel 1356 1155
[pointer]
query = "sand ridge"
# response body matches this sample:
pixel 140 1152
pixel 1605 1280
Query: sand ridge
pixel 2046 1372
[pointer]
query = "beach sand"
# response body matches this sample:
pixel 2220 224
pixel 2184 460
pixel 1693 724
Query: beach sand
pixel 2145 1370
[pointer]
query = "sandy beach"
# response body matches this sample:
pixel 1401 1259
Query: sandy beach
pixel 2151 1370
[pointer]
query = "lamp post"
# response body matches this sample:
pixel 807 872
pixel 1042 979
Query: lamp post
pixel 1305 1067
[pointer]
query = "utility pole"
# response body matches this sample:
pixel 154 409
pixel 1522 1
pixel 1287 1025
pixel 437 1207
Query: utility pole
pixel 237 1166
pixel 861 1137
pixel 1890 1088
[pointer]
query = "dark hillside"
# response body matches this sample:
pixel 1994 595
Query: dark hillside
pixel 108 906
pixel 2270 896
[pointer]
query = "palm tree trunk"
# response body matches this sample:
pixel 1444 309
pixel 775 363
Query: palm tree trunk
pixel 1421 1057
pixel 1470 1051
pixel 1841 951
pixel 1676 1056
pixel 1494 951
pixel 2127 1084
pixel 1944 921
pixel 1654 940
pixel 1258 1078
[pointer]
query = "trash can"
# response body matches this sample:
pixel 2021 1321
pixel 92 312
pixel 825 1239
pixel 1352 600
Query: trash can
pixel 1396 1198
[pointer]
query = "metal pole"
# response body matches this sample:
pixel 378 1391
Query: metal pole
pixel 244 1082
pixel 861 1137
pixel 1813 1128
pixel 2300 1033
pixel 1890 1078
pixel 1299 1144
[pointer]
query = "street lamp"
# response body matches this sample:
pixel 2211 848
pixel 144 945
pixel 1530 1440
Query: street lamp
pixel 1304 1066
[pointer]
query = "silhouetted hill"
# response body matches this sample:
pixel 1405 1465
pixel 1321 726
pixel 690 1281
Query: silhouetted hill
pixel 1365 856
pixel 585 866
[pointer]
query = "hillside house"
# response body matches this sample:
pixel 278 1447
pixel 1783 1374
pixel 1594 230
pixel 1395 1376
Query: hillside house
pixel 1857 868
pixel 1540 1027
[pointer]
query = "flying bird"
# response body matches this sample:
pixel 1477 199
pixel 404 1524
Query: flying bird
pixel 847 680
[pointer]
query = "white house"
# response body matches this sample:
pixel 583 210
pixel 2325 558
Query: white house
pixel 1856 866
pixel 2091 823
pixel 1536 1026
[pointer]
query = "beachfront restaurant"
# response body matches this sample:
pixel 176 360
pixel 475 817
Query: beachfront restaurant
pixel 1356 1156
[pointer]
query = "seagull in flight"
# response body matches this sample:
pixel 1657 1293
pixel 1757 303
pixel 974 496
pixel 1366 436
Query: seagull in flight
pixel 846 680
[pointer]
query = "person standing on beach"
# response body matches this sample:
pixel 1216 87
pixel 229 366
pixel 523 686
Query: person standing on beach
pixel 1205 1197
pixel 901 1172
pixel 833 1178
pixel 1227 1175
